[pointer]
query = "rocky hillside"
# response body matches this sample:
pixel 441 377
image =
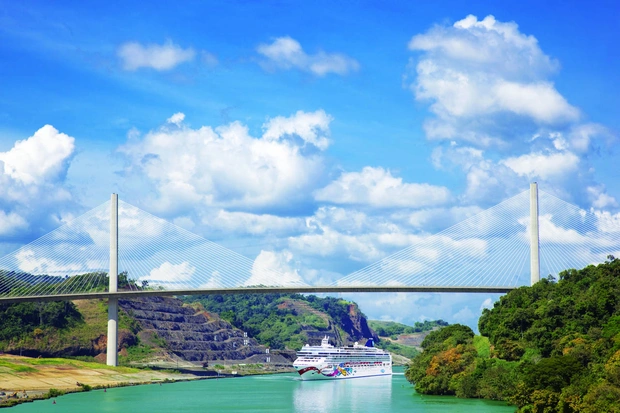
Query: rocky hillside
pixel 193 334
pixel 288 321
pixel 168 329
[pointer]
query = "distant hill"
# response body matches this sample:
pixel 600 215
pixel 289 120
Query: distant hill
pixel 402 339
pixel 392 328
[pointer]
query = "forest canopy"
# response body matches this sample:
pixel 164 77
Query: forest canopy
pixel 552 347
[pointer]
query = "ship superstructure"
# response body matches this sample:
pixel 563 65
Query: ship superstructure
pixel 329 362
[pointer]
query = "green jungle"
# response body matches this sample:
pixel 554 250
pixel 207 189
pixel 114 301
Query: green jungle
pixel 552 347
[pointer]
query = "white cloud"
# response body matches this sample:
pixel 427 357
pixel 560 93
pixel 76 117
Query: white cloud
pixel 134 56
pixel 226 166
pixel 312 127
pixel 331 243
pixel 378 188
pixel 600 199
pixel 168 273
pixel 479 75
pixel 254 224
pixel 606 222
pixel 42 157
pixel 176 119
pixel 11 223
pixel 464 315
pixel 287 53
pixel 274 268
pixel 30 262
pixel 581 136
pixel 488 303
pixel 541 165
pixel 33 194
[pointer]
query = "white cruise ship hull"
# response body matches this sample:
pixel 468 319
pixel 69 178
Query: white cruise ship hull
pixel 347 370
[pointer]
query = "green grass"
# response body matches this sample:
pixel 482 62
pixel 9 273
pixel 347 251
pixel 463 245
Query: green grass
pixel 77 364
pixel 18 368
pixel 137 353
pixel 482 345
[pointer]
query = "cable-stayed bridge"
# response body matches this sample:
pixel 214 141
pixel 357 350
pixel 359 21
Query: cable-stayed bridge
pixel 499 249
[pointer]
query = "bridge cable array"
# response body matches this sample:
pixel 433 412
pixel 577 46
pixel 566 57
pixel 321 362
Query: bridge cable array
pixel 489 249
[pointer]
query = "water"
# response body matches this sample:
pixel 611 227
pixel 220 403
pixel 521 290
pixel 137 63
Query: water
pixel 273 393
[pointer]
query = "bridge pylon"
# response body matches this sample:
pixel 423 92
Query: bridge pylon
pixel 534 235
pixel 112 345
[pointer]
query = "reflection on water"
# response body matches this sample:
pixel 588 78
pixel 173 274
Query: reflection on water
pixel 353 395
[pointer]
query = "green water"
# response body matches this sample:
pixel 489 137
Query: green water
pixel 273 393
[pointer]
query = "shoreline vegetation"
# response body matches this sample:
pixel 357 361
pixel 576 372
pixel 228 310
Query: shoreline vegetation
pixel 552 347
pixel 25 379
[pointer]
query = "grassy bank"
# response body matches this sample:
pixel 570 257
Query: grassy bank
pixel 24 379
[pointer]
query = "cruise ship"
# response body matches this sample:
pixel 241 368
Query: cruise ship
pixel 326 362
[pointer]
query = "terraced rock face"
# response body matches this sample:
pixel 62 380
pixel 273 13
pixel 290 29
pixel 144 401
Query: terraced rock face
pixel 192 334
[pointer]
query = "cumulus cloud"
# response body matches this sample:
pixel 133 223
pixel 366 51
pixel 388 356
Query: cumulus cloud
pixel 312 127
pixel 600 199
pixel 134 56
pixel 33 194
pixel 274 268
pixel 287 53
pixel 541 165
pixel 476 73
pixel 11 223
pixel 462 59
pixel 378 188
pixel 490 92
pixel 168 272
pixel 32 263
pixel 176 119
pixel 227 167
pixel 253 224
pixel 488 304
pixel 40 158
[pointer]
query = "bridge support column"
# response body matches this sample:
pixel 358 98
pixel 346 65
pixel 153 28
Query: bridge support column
pixel 112 347
pixel 534 238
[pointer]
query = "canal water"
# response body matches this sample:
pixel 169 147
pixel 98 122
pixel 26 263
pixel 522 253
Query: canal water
pixel 272 393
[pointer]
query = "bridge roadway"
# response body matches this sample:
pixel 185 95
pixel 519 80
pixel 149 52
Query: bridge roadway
pixel 260 290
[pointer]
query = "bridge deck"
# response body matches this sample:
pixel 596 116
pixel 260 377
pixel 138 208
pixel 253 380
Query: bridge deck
pixel 261 290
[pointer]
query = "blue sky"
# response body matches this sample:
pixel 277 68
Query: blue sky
pixel 316 136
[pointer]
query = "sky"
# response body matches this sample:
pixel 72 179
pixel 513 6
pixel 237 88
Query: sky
pixel 314 137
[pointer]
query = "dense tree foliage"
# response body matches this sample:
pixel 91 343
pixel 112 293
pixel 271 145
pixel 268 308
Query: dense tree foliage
pixel 554 347
pixel 265 318
pixel 393 329
pixel 23 318
pixel 18 283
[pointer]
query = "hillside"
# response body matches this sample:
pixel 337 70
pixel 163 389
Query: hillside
pixel 167 331
pixel 402 339
pixel 552 347
pixel 288 321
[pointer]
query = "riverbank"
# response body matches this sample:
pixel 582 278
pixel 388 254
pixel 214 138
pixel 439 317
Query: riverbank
pixel 23 378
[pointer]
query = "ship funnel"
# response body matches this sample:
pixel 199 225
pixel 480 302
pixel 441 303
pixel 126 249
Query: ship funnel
pixel 370 343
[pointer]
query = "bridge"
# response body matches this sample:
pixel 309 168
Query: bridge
pixel 497 250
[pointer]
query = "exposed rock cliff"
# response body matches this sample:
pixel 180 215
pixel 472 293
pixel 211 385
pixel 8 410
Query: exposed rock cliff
pixel 351 327
pixel 356 326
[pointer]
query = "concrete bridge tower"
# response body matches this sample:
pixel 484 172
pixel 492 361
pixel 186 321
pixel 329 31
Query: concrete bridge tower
pixel 534 237
pixel 112 347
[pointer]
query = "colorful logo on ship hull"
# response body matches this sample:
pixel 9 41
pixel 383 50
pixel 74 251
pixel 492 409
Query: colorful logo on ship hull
pixel 330 371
